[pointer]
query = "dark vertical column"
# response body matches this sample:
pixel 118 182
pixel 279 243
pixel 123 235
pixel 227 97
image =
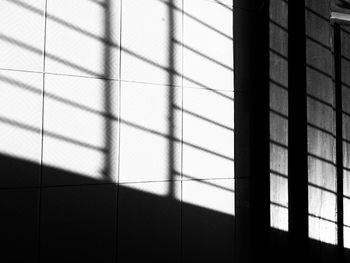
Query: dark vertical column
pixel 298 164
pixel 339 138
pixel 251 57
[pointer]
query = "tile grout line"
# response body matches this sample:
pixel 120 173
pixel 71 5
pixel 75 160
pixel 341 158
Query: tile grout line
pixel 113 183
pixel 42 135
pixel 182 131
pixel 119 127
pixel 118 80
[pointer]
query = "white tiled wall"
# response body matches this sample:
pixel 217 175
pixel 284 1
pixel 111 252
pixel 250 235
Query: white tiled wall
pixel 207 134
pixel 146 47
pixel 22 34
pixel 77 41
pixel 144 135
pixel 170 87
pixel 211 194
pixel 346 202
pixel 121 91
pixel 74 124
pixel 20 114
pixel 207 45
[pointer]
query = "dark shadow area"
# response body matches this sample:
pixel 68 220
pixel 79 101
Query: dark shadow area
pixel 19 222
pixel 78 224
pixel 18 173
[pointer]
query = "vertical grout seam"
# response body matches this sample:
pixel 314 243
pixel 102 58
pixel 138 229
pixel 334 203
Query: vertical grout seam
pixel 42 133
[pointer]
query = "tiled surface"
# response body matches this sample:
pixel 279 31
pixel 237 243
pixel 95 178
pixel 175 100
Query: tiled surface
pixel 82 37
pixel 278 166
pixel 19 225
pixel 214 195
pixel 22 34
pixel 322 205
pixel 21 97
pixel 346 128
pixel 75 131
pixel 75 125
pixel 318 112
pixel 78 224
pixel 20 128
pixel 20 118
pixel 208 64
pixel 279 159
pixel 320 229
pixel 78 195
pixel 347 237
pixel 322 174
pixel 149 50
pixel 279 129
pixel 322 87
pixel 207 134
pixel 346 202
pixel 161 189
pixel 208 232
pixel 279 115
pixel 321 144
pixel 72 158
pixel 148 224
pixel 345 37
pixel 227 3
pixel 346 98
pixel 346 161
pixel 278 213
pixel 145 138
pixel 71 122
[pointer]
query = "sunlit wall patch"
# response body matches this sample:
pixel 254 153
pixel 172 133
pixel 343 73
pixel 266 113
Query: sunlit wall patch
pixel 20 114
pixel 216 195
pixel 321 121
pixel 346 203
pixel 279 115
pixel 75 125
pixel 22 35
pixel 83 45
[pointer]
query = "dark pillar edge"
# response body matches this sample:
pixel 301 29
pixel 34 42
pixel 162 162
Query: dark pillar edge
pixel 297 134
pixel 339 138
pixel 252 151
